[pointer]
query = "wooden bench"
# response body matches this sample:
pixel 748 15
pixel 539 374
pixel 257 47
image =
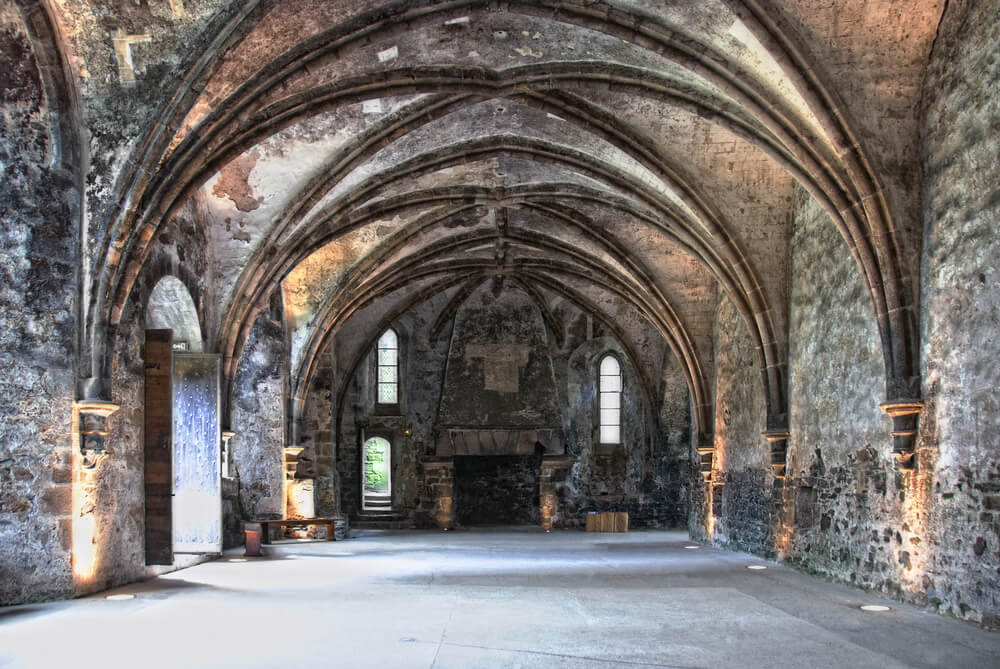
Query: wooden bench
pixel 257 532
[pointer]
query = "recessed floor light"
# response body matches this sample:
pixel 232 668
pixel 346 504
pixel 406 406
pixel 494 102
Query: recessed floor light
pixel 237 559
pixel 119 597
pixel 876 608
pixel 692 548
pixel 756 567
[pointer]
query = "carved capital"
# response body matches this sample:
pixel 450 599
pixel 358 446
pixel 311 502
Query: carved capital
pixel 93 416
pixel 905 416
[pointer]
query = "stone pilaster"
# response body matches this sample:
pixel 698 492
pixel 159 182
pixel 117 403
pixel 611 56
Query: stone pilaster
pixel 553 471
pixel 439 486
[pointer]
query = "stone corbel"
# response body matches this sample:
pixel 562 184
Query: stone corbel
pixel 706 455
pixel 94 430
pixel 905 419
pixel 778 438
pixel 291 461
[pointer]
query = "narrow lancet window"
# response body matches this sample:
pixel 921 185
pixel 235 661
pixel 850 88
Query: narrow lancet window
pixel 610 387
pixel 388 369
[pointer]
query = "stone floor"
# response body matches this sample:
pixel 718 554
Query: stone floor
pixel 489 599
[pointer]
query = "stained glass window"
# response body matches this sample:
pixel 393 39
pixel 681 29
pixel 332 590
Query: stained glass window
pixel 388 368
pixel 610 390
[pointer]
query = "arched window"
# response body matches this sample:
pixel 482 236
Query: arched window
pixel 388 369
pixel 610 388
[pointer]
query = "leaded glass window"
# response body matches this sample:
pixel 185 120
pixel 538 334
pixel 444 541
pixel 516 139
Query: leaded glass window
pixel 610 390
pixel 387 368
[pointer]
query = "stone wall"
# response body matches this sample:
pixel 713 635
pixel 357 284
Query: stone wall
pixel 648 475
pixel 38 203
pixel 961 312
pixel 258 421
pixel 841 477
pixel 318 433
pixel 643 475
pixel 741 474
pixel 496 489
pixel 499 370
pixel 422 362
pixel 116 488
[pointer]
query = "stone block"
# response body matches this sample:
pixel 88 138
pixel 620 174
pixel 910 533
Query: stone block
pixel 66 533
pixel 57 499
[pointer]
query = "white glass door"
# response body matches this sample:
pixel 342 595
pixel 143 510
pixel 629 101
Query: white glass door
pixel 197 475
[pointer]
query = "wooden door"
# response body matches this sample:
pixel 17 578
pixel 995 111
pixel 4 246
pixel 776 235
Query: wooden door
pixel 158 432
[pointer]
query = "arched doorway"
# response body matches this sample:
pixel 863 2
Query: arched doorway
pixel 182 476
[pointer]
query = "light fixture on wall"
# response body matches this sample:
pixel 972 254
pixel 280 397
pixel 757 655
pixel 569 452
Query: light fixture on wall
pixel 94 431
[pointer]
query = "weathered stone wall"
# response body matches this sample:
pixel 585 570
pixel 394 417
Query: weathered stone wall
pixel 499 370
pixel 678 476
pixel 122 96
pixel 318 433
pixel 742 457
pixel 841 474
pixel 37 283
pixel 648 475
pixel 258 421
pixel 961 313
pixel 422 362
pixel 107 527
pixel 645 474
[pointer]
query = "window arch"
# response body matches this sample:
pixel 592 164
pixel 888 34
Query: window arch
pixel 387 369
pixel 610 391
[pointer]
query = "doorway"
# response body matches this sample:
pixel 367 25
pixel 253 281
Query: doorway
pixel 376 475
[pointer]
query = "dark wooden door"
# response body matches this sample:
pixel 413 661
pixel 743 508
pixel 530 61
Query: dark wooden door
pixel 158 435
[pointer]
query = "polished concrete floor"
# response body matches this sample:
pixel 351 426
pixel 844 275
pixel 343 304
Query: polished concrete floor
pixel 489 599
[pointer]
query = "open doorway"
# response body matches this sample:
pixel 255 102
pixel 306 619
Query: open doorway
pixel 376 475
pixel 182 459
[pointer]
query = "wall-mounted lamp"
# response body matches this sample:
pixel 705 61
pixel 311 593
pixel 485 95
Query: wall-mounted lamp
pixel 94 430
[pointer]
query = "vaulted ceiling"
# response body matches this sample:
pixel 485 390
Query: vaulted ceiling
pixel 635 158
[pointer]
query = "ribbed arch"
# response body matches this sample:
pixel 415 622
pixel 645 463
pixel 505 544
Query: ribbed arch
pixel 832 166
